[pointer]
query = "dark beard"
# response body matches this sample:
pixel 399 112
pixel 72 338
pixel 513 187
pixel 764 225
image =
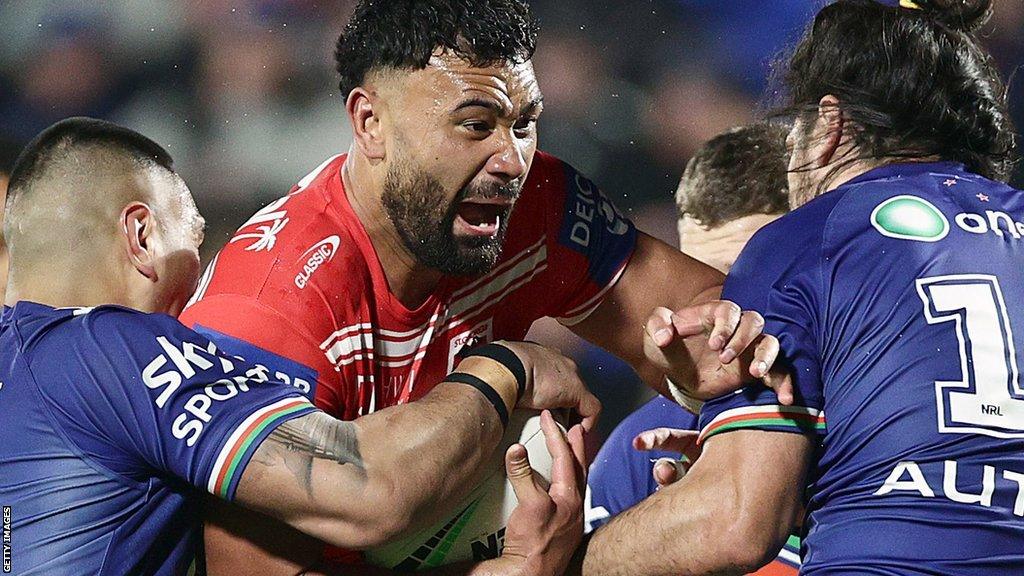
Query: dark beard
pixel 415 203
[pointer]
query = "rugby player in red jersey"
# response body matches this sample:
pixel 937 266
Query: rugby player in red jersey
pixel 365 284
pixel 116 418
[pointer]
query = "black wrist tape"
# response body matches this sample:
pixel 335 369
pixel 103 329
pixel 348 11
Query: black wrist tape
pixel 489 393
pixel 506 358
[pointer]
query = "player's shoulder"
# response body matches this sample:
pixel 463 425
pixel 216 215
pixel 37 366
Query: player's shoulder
pixel 793 238
pixel 551 178
pixel 80 332
pixel 289 220
pixel 544 165
pixel 291 244
pixel 918 201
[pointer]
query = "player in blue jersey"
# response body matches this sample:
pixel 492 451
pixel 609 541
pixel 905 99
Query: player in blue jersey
pixel 732 187
pixel 116 419
pixel 895 293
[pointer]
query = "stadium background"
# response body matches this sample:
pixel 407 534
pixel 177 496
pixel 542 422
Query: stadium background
pixel 243 95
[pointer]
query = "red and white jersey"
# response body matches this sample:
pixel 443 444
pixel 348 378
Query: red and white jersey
pixel 299 288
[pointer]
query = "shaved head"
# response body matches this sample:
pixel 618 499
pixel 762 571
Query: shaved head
pixel 86 199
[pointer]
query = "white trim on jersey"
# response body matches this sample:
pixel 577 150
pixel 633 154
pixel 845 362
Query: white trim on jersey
pixel 345 347
pixel 500 269
pixel 364 327
pixel 498 287
pixel 229 444
pixel 308 178
pixel 393 335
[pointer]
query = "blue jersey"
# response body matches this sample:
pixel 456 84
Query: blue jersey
pixel 112 421
pixel 895 299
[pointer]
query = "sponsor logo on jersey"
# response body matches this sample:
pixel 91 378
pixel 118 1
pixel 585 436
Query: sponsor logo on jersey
pixel 268 223
pixel 990 222
pixel 319 254
pixel 587 209
pixel 593 227
pixel 909 478
pixel 182 361
pixel 908 217
pixel 285 370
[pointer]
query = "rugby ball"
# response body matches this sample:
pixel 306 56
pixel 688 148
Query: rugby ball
pixel 472 528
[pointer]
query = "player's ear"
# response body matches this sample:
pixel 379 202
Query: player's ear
pixel 363 109
pixel 831 124
pixel 138 225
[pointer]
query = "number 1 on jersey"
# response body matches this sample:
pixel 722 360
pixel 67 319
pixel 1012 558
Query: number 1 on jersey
pixel 989 399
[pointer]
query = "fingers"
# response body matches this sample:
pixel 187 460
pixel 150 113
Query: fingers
pixel 589 409
pixel 577 443
pixel 723 317
pixel 749 329
pixel 765 354
pixel 660 327
pixel 782 383
pixel 667 471
pixel 520 474
pixel 666 439
pixel 563 468
pixel 763 367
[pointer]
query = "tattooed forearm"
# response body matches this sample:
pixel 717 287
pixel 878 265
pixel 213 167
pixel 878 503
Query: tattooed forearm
pixel 314 437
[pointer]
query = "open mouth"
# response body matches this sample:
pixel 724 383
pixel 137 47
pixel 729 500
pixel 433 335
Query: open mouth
pixel 481 217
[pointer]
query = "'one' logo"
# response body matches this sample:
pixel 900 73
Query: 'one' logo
pixel 910 218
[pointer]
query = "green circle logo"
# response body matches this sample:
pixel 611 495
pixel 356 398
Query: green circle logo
pixel 910 218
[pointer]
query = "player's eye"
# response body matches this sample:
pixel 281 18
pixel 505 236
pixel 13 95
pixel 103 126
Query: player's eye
pixel 525 127
pixel 478 126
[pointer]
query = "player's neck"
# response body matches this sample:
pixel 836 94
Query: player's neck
pixel 865 165
pixel 410 282
pixel 57 291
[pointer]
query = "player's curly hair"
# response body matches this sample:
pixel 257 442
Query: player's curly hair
pixel 914 80
pixel 404 33
pixel 735 174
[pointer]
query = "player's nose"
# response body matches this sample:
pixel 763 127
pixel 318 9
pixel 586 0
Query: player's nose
pixel 508 161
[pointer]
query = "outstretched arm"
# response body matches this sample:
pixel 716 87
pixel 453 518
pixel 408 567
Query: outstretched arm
pixel 689 326
pixel 359 484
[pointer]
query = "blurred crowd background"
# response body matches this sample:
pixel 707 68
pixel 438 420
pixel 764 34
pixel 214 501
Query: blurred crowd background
pixel 243 94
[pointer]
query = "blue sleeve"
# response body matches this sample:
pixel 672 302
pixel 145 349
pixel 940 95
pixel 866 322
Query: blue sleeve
pixel 589 240
pixel 779 274
pixel 140 394
pixel 620 476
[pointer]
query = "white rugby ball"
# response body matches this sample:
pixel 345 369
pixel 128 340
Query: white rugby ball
pixel 473 527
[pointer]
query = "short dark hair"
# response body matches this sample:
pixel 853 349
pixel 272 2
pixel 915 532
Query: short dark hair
pixel 79 132
pixel 916 83
pixel 405 33
pixel 735 174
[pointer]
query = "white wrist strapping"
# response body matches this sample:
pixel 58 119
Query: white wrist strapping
pixel 692 405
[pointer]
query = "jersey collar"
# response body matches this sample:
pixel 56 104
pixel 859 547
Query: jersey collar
pixel 908 170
